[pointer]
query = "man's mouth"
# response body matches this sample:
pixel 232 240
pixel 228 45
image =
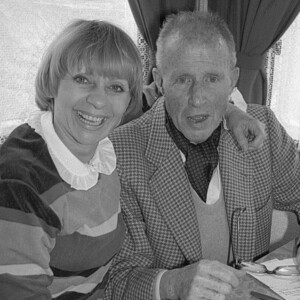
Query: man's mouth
pixel 90 120
pixel 198 118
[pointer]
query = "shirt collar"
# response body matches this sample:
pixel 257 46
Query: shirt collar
pixel 79 175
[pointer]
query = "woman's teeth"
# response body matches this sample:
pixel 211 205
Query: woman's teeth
pixel 90 120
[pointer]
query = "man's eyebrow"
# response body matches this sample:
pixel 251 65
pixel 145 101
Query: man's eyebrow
pixel 180 74
pixel 185 74
pixel 216 73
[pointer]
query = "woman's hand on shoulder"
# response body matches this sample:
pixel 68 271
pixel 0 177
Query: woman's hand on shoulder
pixel 248 131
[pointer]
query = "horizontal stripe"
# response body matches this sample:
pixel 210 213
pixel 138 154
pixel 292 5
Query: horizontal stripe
pixel 77 253
pixel 96 294
pixel 92 207
pixel 106 227
pixel 56 191
pixel 77 283
pixel 24 287
pixel 77 208
pixel 83 289
pixel 18 195
pixel 17 216
pixel 23 244
pixel 24 270
pixel 63 273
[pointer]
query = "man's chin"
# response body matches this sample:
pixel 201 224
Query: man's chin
pixel 198 139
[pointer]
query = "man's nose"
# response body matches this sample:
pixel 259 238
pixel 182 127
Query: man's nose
pixel 197 95
pixel 98 97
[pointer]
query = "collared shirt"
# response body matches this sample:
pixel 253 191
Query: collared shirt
pixel 79 175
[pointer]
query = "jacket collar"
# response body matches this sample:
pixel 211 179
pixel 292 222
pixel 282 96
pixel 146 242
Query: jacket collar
pixel 160 143
pixel 175 202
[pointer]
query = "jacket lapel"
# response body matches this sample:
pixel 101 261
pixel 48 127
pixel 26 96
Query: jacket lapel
pixel 170 187
pixel 237 173
pixel 174 199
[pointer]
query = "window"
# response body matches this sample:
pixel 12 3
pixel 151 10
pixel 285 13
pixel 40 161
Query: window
pixel 26 30
pixel 283 72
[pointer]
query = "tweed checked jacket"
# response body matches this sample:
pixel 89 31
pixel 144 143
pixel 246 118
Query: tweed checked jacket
pixel 158 208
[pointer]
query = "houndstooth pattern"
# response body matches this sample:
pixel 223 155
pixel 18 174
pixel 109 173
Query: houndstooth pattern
pixel 201 159
pixel 158 207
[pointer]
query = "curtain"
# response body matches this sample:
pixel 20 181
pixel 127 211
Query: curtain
pixel 150 14
pixel 256 25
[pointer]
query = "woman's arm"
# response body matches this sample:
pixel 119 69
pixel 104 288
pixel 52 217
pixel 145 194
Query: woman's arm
pixel 248 131
pixel 25 243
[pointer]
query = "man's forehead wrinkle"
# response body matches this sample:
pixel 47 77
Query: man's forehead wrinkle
pixel 220 44
pixel 173 41
pixel 200 40
pixel 177 47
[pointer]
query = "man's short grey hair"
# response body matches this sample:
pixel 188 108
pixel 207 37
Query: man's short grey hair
pixel 189 28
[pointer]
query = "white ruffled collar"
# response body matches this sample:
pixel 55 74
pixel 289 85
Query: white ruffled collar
pixel 79 175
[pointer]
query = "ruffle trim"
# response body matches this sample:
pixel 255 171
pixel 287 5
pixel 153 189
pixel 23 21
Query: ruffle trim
pixel 79 175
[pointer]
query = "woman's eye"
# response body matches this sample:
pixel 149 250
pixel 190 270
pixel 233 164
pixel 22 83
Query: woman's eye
pixel 81 79
pixel 117 88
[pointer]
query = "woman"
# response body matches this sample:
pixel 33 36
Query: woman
pixel 60 213
pixel 60 221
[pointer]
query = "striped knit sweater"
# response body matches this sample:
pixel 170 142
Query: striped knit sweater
pixel 56 242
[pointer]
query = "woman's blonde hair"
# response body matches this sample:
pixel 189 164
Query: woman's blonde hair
pixel 98 46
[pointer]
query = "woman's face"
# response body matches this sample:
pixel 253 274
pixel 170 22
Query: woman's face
pixel 87 108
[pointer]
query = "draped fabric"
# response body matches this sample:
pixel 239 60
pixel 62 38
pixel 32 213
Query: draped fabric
pixel 149 16
pixel 256 25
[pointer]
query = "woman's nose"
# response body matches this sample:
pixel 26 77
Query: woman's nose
pixel 98 97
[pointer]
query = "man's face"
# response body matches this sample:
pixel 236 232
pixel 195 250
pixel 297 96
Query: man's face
pixel 196 87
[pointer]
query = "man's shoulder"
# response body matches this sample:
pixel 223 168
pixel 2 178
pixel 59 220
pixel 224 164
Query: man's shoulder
pixel 133 132
pixel 133 140
pixel 259 111
pixel 264 114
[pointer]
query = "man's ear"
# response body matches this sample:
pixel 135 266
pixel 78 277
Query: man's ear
pixel 158 80
pixel 235 73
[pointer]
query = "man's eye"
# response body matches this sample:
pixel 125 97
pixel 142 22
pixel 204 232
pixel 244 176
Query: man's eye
pixel 81 79
pixel 184 80
pixel 212 78
pixel 117 88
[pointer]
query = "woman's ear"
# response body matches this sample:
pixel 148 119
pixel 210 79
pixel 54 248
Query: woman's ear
pixel 158 80
pixel 51 105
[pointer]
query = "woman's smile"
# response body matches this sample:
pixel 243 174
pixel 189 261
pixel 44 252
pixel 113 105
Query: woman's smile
pixel 87 108
pixel 90 120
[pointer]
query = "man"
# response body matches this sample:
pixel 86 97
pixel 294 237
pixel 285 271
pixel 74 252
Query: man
pixel 185 182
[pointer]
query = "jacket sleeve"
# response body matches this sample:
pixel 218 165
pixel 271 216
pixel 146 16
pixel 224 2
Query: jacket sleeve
pixel 26 239
pixel 285 163
pixel 132 275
